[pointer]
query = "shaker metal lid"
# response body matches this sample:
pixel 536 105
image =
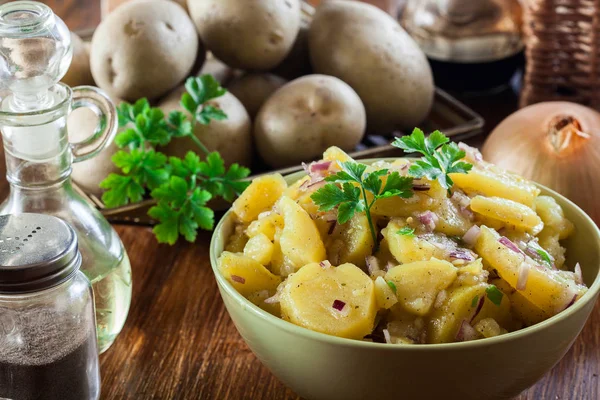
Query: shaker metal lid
pixel 36 252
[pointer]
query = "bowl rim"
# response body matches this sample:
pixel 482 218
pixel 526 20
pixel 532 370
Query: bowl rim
pixel 246 304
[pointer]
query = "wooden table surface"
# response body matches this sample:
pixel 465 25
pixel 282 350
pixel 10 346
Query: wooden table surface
pixel 179 342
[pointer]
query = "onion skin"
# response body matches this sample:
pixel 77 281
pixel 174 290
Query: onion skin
pixel 568 162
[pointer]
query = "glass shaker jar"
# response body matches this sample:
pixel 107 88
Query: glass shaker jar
pixel 47 330
pixel 35 53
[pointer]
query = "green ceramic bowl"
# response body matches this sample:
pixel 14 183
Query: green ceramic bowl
pixel 319 366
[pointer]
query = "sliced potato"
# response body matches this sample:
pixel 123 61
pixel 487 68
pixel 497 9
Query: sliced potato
pixel 460 305
pixel 451 222
pixel 407 249
pixel 355 239
pixel 300 239
pixel 544 287
pixel 266 225
pixel 246 275
pixel 259 248
pixel 259 197
pixel 552 214
pixel 419 283
pixel 237 241
pixel 339 301
pixel 494 182
pixel 384 294
pixel 507 211
pixel 521 308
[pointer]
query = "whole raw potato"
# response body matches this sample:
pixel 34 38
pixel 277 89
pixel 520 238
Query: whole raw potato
pixel 305 117
pixel 89 173
pixel 144 49
pixel 79 72
pixel 231 137
pixel 369 50
pixel 250 35
pixel 254 89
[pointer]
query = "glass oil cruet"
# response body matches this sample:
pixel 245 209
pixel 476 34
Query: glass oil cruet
pixel 35 53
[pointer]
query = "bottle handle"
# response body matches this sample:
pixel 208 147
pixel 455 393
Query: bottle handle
pixel 108 122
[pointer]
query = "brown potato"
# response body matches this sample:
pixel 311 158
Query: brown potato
pixel 254 89
pixel 144 49
pixel 305 117
pixel 250 35
pixel 231 137
pixel 79 72
pixel 369 50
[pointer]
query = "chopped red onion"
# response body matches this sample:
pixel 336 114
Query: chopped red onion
pixel 478 308
pixel 571 302
pixel 330 216
pixel 578 274
pixel 471 152
pixel 460 199
pixel 319 167
pixel 421 187
pixel 332 225
pixel 386 335
pixel 238 279
pixel 273 299
pixel 325 264
pixel 372 264
pixel 466 332
pixel 508 243
pixel 390 265
pixel 462 254
pixel 338 305
pixel 523 276
pixel 428 219
pixel 471 236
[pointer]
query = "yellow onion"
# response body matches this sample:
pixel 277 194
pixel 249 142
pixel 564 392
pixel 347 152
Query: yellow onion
pixel 556 144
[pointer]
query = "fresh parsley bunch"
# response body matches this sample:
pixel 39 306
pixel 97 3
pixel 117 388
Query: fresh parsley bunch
pixel 181 186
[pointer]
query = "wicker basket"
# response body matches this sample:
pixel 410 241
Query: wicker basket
pixel 562 51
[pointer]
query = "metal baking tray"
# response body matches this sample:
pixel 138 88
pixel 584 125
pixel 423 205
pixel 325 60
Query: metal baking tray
pixel 448 115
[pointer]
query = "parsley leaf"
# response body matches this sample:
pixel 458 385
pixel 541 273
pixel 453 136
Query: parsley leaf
pixel 199 91
pixel 348 189
pixel 440 157
pixel 392 286
pixel 407 231
pixel 474 301
pixel 494 294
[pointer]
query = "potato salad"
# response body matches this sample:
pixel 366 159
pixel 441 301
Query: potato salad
pixel 438 249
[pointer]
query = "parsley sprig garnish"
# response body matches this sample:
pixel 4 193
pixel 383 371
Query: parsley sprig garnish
pixel 440 158
pixel 348 190
pixel 181 186
pixel 407 231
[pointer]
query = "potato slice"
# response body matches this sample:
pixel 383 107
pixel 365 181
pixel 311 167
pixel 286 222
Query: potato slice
pixel 545 288
pixel 339 301
pixel 401 207
pixel 384 294
pixel 300 240
pixel 460 305
pixel 407 249
pixel 336 155
pixel 450 221
pixel 494 182
pixel 265 225
pixel 352 242
pixel 509 212
pixel 246 275
pixel 258 299
pixel 553 217
pixel 259 248
pixel 418 283
pixel 521 308
pixel 259 197
pixel 237 240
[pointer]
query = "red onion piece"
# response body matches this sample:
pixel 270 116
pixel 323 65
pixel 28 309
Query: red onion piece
pixel 523 276
pixel 428 219
pixel 460 254
pixel 471 236
pixel 386 335
pixel 330 216
pixel 338 305
pixel 332 226
pixel 326 264
pixel 390 265
pixel 571 302
pixel 507 242
pixel 238 279
pixel 372 264
pixel 578 274
pixel 466 332
pixel 471 152
pixel 478 308
pixel 319 167
pixel 421 187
